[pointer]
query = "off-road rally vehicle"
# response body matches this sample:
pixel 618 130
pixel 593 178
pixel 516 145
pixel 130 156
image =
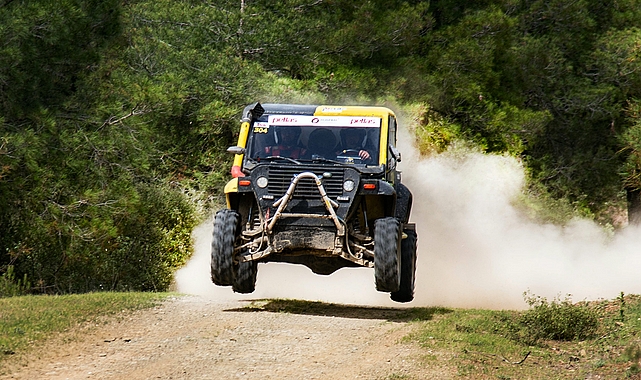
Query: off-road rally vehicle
pixel 318 186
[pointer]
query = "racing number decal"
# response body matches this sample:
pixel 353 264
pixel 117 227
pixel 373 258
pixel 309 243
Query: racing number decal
pixel 261 129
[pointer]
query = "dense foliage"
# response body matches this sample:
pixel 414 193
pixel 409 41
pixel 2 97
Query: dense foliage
pixel 114 115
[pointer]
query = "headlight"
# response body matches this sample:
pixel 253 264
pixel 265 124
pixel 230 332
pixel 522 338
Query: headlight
pixel 262 182
pixel 348 185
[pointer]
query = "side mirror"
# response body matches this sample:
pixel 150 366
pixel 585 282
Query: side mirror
pixel 395 153
pixel 236 150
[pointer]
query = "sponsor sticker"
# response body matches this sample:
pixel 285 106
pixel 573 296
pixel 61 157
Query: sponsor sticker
pixel 324 121
pixel 285 120
pixel 261 127
pixel 365 121
pixel 332 109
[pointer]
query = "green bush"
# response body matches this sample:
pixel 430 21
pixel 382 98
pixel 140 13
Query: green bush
pixel 10 287
pixel 554 320
pixel 126 242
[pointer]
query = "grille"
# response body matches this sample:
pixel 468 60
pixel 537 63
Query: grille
pixel 281 177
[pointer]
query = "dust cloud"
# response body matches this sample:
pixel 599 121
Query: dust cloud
pixel 475 249
pixel 279 280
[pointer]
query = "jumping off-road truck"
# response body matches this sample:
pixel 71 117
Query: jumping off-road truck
pixel 318 186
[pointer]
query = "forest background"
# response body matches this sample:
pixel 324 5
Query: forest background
pixel 115 115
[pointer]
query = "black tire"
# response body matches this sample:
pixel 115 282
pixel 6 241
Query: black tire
pixel 245 277
pixel 387 254
pixel 403 203
pixel 222 247
pixel 408 268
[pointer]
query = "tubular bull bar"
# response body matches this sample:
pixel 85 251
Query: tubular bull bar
pixel 281 204
pixel 284 201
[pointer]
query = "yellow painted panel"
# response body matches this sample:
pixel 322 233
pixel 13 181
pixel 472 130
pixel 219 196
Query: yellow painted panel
pixel 381 112
pixel 232 186
pixel 382 157
pixel 242 142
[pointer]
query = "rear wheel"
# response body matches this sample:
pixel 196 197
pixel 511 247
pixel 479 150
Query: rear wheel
pixel 403 203
pixel 222 247
pixel 386 254
pixel 245 277
pixel 408 268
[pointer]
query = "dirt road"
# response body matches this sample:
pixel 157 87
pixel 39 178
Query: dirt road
pixel 215 334
pixel 193 337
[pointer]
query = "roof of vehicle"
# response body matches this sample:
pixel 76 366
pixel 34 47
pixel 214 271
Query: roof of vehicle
pixel 319 110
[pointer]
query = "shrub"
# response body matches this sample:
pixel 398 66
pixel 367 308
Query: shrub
pixel 555 320
pixel 10 287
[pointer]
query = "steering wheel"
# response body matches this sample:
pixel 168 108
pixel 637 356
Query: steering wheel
pixel 350 152
pixel 350 155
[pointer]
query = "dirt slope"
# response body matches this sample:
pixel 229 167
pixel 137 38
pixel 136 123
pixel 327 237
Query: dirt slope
pixel 197 338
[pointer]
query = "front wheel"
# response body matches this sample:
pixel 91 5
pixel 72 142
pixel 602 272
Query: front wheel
pixel 245 277
pixel 387 238
pixel 408 268
pixel 222 247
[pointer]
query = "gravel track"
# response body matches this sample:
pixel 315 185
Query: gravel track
pixel 193 337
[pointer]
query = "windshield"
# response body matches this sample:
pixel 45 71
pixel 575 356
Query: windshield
pixel 345 139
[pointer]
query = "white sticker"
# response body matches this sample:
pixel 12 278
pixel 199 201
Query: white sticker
pixel 325 121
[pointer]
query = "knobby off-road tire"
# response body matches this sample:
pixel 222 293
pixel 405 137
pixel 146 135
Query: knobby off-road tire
pixel 245 277
pixel 222 247
pixel 403 203
pixel 386 254
pixel 408 268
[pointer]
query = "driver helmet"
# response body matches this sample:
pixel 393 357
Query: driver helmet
pixel 357 132
pixel 322 142
pixel 279 130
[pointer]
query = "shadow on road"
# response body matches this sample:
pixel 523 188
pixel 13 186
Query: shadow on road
pixel 342 311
